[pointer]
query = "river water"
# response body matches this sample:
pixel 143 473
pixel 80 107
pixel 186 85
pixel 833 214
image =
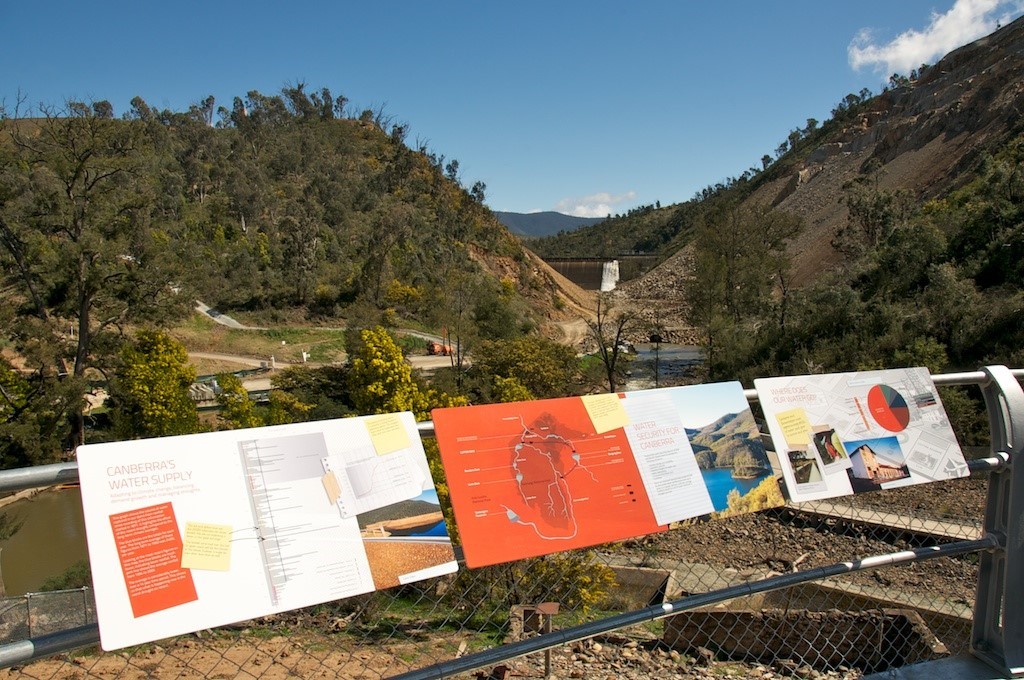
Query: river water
pixel 51 540
pixel 675 365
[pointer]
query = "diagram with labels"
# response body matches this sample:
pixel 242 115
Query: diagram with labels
pixel 197 531
pixel 844 433
pixel 532 478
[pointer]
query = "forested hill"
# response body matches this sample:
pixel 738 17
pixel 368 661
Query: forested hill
pixel 286 201
pixel 290 204
pixel 647 229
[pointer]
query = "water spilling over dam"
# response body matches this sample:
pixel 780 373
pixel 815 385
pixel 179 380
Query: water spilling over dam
pixel 601 273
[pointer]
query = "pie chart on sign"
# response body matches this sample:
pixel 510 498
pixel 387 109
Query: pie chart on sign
pixel 888 408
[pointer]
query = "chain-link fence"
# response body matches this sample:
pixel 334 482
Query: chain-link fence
pixel 777 593
pixel 859 622
pixel 35 614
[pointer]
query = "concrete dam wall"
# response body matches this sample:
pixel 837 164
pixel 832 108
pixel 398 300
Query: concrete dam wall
pixel 601 273
pixel 589 273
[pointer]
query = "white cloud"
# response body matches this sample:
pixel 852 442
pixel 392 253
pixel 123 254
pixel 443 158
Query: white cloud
pixel 967 20
pixel 596 205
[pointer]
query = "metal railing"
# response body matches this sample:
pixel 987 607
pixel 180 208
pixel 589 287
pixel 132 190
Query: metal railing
pixel 465 622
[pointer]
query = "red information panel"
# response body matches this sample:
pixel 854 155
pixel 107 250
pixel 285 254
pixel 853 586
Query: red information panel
pixel 532 478
pixel 149 549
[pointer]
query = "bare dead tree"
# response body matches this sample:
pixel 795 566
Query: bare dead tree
pixel 609 328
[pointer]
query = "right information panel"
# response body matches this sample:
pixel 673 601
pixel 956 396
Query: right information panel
pixel 844 433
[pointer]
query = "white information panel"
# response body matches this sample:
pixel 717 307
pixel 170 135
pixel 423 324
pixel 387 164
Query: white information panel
pixel 197 531
pixel 844 433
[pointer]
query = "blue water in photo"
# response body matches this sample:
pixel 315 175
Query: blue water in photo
pixel 438 529
pixel 720 482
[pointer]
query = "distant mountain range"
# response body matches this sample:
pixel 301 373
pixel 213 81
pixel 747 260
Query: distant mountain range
pixel 538 224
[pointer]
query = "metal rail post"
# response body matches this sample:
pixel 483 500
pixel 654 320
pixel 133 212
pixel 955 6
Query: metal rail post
pixel 997 636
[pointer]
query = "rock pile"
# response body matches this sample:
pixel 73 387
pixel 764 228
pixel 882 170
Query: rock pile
pixel 658 299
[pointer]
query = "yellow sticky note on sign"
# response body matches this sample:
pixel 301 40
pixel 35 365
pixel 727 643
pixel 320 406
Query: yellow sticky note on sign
pixel 331 486
pixel 387 433
pixel 796 428
pixel 206 546
pixel 606 411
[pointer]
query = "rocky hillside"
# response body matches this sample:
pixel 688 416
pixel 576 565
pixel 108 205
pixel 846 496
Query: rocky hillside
pixel 927 136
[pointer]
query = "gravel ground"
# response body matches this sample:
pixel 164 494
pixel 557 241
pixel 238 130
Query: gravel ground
pixel 781 541
pixel 622 658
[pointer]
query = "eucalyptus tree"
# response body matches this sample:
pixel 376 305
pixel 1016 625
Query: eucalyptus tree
pixel 740 273
pixel 78 247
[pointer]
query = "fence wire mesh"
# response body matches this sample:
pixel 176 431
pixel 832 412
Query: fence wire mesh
pixel 38 614
pixel 836 627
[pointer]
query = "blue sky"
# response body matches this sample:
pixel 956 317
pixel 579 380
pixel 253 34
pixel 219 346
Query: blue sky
pixel 586 107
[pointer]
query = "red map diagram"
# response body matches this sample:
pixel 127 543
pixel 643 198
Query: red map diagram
pixel 532 478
